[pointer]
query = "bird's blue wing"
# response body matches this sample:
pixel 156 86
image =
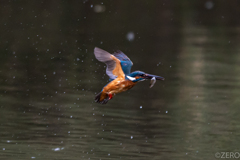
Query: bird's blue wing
pixel 126 63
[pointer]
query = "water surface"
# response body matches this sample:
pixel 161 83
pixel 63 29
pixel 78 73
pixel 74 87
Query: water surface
pixel 49 77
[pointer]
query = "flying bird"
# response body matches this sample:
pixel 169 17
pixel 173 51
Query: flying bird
pixel 118 69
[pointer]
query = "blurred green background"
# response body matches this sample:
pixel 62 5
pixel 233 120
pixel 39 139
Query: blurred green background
pixel 49 77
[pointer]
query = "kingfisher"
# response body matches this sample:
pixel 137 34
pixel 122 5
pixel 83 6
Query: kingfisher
pixel 119 72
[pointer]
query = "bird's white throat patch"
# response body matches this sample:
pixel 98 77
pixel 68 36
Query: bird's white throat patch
pixel 131 78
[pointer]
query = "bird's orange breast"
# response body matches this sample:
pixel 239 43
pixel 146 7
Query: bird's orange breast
pixel 118 85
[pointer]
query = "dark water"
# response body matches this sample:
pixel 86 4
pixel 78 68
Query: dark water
pixel 49 77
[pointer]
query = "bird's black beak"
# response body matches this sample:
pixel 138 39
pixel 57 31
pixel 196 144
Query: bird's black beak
pixel 150 76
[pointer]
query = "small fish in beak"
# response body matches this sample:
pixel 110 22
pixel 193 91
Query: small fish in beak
pixel 152 82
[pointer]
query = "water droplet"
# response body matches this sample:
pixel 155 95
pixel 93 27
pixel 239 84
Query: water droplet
pixel 209 5
pixel 131 137
pixel 99 8
pixel 130 36
pixel 140 107
pixel 108 154
pixel 166 111
pixel 56 149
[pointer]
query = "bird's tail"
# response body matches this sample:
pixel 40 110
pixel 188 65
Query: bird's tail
pixel 101 98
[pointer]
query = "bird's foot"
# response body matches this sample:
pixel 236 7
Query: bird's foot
pixel 110 96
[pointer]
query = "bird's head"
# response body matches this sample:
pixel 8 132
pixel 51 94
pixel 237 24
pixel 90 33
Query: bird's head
pixel 137 76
